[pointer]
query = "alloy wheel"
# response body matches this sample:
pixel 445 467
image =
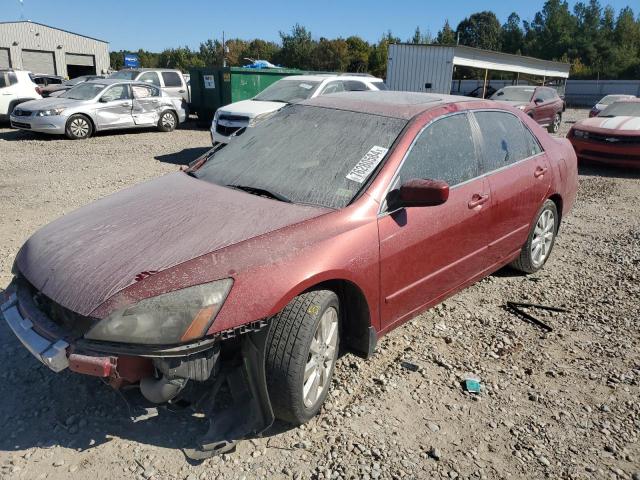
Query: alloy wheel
pixel 79 127
pixel 321 358
pixel 168 121
pixel 543 237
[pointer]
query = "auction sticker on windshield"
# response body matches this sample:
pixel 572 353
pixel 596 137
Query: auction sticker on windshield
pixel 369 162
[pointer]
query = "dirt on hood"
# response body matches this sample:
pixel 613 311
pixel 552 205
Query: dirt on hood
pixel 85 257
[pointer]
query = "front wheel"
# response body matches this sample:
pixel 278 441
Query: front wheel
pixel 541 240
pixel 302 349
pixel 555 125
pixel 78 127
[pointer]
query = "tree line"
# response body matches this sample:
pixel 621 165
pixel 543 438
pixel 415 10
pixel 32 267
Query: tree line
pixel 598 42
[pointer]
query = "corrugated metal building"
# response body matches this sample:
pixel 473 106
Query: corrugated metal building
pixel 429 68
pixel 39 48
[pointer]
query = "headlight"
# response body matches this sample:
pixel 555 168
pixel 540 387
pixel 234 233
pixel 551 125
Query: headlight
pixel 173 317
pixel 580 134
pixel 49 113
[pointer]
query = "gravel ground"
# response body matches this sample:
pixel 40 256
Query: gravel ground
pixel 564 404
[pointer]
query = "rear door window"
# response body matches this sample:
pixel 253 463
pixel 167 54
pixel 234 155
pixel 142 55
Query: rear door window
pixel 333 87
pixel 144 91
pixel 435 156
pixel 504 140
pixel 150 77
pixel 3 80
pixel 355 86
pixel 171 79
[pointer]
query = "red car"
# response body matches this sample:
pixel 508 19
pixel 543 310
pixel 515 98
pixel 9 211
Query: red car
pixel 543 104
pixel 612 137
pixel 318 231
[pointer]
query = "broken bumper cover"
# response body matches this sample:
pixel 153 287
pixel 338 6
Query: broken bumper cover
pixel 52 353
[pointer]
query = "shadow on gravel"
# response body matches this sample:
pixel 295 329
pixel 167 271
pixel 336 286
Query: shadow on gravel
pixel 39 408
pixel 21 135
pixel 606 171
pixel 183 157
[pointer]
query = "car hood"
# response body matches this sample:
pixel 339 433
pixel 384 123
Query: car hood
pixel 85 257
pixel 49 103
pixel 628 124
pixel 251 108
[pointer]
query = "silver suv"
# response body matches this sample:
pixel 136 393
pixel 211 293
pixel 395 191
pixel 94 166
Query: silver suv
pixel 169 81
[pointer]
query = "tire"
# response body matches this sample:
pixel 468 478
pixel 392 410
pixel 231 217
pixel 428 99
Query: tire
pixel 529 261
pixel 168 121
pixel 78 127
pixel 555 125
pixel 289 353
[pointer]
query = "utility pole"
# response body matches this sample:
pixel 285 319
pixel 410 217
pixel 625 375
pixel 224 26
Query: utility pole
pixel 224 51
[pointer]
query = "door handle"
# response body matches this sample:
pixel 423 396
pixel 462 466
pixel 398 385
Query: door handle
pixel 540 171
pixel 478 200
pixel 181 91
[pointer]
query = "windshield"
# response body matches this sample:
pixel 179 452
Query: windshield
pixel 287 91
pixel 83 91
pixel 622 109
pixel 124 75
pixel 514 94
pixel 308 155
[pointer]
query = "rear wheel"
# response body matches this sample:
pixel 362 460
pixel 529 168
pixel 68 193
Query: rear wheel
pixel 555 125
pixel 541 240
pixel 168 121
pixel 78 127
pixel 302 349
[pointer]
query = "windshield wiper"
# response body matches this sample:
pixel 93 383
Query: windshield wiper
pixel 261 192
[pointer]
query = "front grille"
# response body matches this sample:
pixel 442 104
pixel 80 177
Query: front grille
pixel 609 156
pixel 227 131
pixel 613 139
pixel 73 323
pixel 22 113
pixel 234 118
pixel 21 125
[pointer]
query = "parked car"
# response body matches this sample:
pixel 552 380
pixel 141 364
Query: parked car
pixel 55 90
pixel 168 80
pixel 479 91
pixel 16 87
pixel 43 80
pixel 541 103
pixel 231 120
pixel 611 138
pixel 99 105
pixel 606 101
pixel 319 230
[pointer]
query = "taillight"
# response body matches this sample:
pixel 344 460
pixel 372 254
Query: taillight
pixel 38 90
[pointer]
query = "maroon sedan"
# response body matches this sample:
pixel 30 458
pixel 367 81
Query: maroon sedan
pixel 318 231
pixel 612 137
pixel 541 103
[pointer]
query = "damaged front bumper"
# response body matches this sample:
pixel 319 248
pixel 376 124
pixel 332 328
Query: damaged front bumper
pixel 52 353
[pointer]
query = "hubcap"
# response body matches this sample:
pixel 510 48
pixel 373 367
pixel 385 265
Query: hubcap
pixel 543 237
pixel 168 120
pixel 79 127
pixel 322 356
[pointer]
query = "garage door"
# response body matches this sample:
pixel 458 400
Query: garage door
pixel 77 59
pixel 37 61
pixel 4 58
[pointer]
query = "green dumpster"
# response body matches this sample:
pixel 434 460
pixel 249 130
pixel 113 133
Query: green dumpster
pixel 212 88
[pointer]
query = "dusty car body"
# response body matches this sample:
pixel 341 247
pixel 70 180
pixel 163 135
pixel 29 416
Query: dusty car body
pixel 611 138
pixel 213 274
pixel 543 104
pixel 606 101
pixel 99 105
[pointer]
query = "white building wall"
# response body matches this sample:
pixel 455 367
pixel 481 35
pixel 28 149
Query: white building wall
pixel 32 36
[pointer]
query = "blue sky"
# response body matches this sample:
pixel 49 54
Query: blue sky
pixel 159 24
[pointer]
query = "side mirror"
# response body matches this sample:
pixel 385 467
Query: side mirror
pixel 103 100
pixel 419 193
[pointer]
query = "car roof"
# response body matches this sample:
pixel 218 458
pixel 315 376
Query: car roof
pixel 111 81
pixel 321 77
pixel 403 105
pixel 629 100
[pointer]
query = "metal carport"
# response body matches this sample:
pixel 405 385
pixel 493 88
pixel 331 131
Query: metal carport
pixel 429 68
